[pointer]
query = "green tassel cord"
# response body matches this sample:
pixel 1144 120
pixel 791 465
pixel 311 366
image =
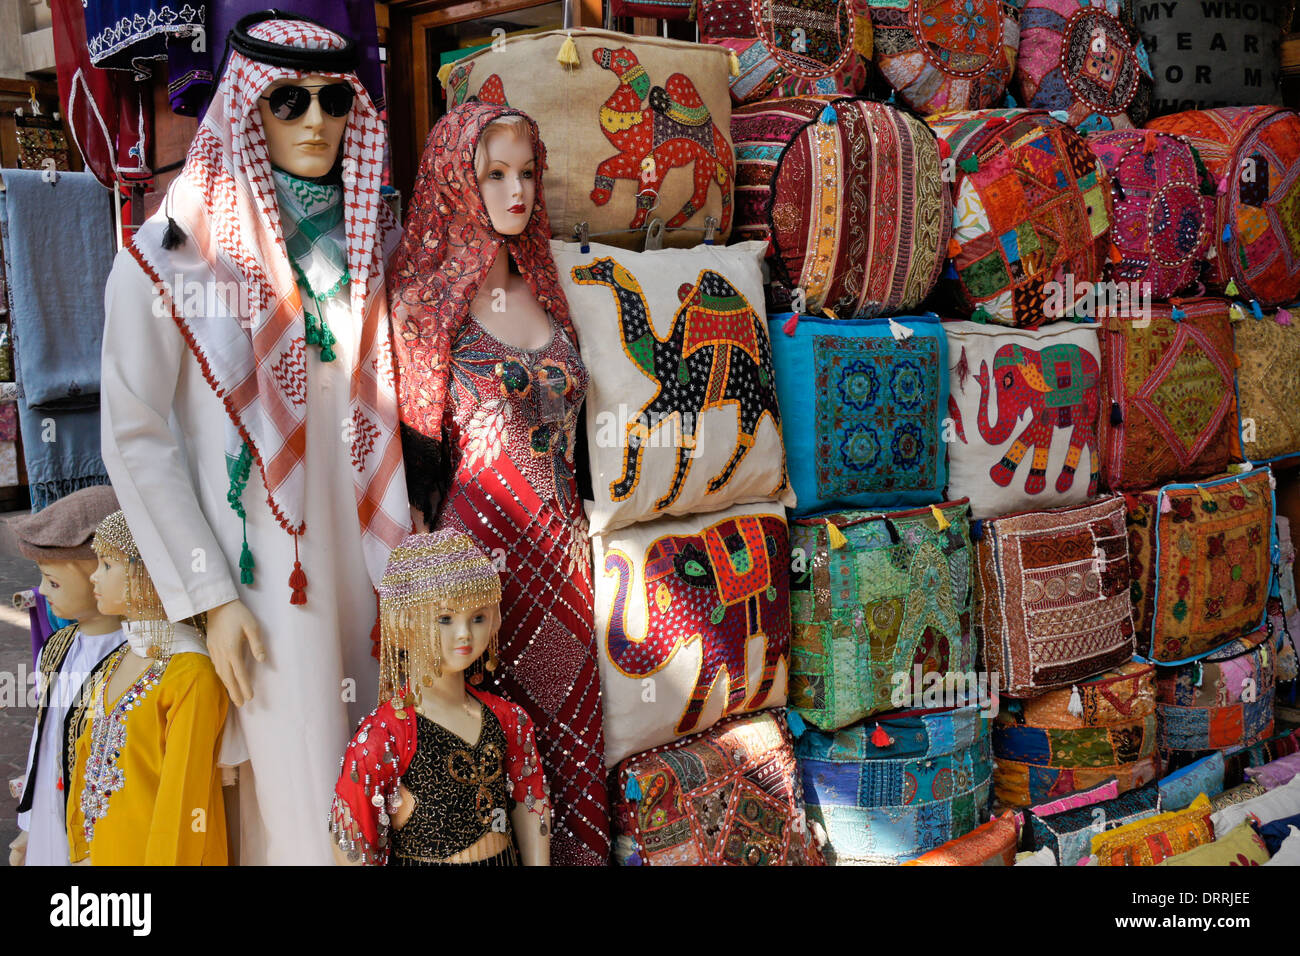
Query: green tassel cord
pixel 239 468
pixel 318 330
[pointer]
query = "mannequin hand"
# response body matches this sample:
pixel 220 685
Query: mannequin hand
pixel 18 850
pixel 228 627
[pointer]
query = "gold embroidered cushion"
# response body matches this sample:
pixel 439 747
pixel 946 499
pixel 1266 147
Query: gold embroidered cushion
pixel 1152 840
pixel 1268 383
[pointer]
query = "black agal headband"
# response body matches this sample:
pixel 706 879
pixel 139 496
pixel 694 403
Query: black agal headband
pixel 343 60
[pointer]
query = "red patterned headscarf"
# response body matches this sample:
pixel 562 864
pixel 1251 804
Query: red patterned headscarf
pixel 448 246
pixel 253 355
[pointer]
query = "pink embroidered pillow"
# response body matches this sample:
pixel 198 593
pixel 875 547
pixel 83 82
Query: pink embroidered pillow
pixel 1080 798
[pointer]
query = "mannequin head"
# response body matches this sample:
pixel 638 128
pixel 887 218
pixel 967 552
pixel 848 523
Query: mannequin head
pixel 464 635
pixel 109 583
pixel 507 170
pixel 67 587
pixel 306 145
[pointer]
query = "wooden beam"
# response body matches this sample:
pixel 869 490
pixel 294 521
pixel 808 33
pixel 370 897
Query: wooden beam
pixel 404 134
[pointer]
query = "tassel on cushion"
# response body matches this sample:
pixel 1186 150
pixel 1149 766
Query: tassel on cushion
pixel 835 536
pixel 1166 505
pixel 970 164
pixel 790 324
pixel 880 738
pixel 1075 706
pixel 733 64
pixel 795 723
pixel 1283 317
pixel 568 55
pixel 829 116
pixel 899 331
pixel 1116 414
pixel 980 316
pixel 940 519
pixel 1231 287
pixel 444 73
pixel 632 789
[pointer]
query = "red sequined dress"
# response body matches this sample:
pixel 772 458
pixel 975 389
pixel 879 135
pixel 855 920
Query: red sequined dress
pixel 513 414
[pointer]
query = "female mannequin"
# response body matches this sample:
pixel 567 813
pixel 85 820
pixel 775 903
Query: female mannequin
pixel 490 385
pixel 145 785
pixel 264 413
pixel 457 782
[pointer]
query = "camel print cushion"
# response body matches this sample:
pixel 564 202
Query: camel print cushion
pixel 682 413
pixel 692 623
pixel 1022 416
pixel 1168 402
pixel 636 127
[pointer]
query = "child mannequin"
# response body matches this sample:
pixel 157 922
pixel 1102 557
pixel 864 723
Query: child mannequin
pixel 440 774
pixel 145 785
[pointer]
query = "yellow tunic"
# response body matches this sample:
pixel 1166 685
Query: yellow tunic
pixel 161 798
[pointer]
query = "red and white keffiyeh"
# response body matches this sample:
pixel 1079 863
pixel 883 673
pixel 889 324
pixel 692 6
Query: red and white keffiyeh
pixel 253 354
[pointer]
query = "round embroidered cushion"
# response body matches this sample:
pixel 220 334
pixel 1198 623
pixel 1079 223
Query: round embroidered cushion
pixel 850 195
pixel 791 48
pixel 1253 153
pixel 942 55
pixel 1031 209
pixel 1163 212
pixel 1084 57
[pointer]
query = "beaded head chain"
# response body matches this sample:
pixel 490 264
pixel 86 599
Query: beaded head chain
pixel 113 540
pixel 426 573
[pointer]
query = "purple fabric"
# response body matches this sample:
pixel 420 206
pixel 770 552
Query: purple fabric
pixel 42 627
pixel 1275 774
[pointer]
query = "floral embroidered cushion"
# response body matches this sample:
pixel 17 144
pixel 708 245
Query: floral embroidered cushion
pixel 1023 410
pixel 692 623
pixel 942 55
pixel 886 790
pixel 1268 379
pixel 864 404
pixel 1031 209
pixel 1069 833
pixel 1253 152
pixel 1152 840
pixel 728 797
pixel 1084 57
pixel 993 844
pixel 634 127
pixel 851 196
pixel 790 47
pixel 1241 846
pixel 1238 794
pixel 1163 222
pixel 883 617
pixel 1168 405
pixel 1051 596
pixel 682 413
pixel 1181 787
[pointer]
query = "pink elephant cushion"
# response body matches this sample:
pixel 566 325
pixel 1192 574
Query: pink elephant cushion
pixel 1023 416
pixel 692 623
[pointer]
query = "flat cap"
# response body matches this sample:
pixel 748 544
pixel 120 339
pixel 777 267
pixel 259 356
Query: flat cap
pixel 62 531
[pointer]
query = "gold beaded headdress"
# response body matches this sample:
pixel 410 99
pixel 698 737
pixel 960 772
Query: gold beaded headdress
pixel 113 539
pixel 426 573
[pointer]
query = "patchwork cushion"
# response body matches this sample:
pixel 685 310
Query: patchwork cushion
pixel 1163 225
pixel 885 791
pixel 1240 846
pixel 851 195
pixel 1221 702
pixel 1268 380
pixel 1051 597
pixel 682 412
pixel 1084 57
pixel 1069 834
pixel 1100 729
pixel 943 55
pixel 1200 563
pixel 864 411
pixel 693 623
pixel 1168 406
pixel 893 598
pixel 1253 152
pixel 1031 209
pixel 790 47
pixel 639 127
pixel 1023 406
pixel 728 797
pixel 1152 840
pixel 1181 787
pixel 993 844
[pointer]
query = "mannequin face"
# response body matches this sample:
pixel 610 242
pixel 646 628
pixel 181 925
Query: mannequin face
pixel 66 586
pixel 109 581
pixel 308 145
pixel 465 635
pixel 507 184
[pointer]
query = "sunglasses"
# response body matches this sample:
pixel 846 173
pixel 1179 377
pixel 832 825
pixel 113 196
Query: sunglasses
pixel 290 102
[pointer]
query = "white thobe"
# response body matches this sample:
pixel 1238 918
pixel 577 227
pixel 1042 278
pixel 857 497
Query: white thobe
pixel 46 821
pixel 163 431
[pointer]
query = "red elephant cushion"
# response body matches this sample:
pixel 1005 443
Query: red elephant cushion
pixel 1022 404
pixel 692 623
pixel 1169 403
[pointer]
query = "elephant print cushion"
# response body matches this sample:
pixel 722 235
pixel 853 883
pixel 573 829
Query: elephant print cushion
pixel 943 55
pixel 1022 416
pixel 692 623
pixel 1202 563
pixel 1031 209
pixel 863 410
pixel 682 412
pixel 635 128
pixel 1168 401
pixel 791 47
pixel 1084 57
pixel 728 797
pixel 1268 381
pixel 889 605
pixel 1253 152
pixel 1052 595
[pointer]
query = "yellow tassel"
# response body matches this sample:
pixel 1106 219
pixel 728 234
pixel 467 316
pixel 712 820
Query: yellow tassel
pixel 835 535
pixel 1205 495
pixel 445 72
pixel 568 54
pixel 939 518
pixel 733 64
